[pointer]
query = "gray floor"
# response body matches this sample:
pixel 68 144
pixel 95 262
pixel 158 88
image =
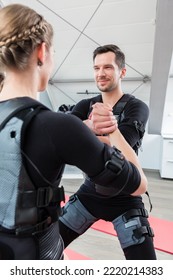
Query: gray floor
pixel 101 246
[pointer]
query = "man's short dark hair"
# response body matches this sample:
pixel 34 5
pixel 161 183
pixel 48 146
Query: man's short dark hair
pixel 119 55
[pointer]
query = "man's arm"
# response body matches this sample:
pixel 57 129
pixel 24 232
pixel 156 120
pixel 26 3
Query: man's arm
pixel 102 121
pixel 117 140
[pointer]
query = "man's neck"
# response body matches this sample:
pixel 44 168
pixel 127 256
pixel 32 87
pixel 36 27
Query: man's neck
pixel 111 97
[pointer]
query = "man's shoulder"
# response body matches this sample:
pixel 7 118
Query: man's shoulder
pixel 97 98
pixel 87 102
pixel 133 100
pixel 136 108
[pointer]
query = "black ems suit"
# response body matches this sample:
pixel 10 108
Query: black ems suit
pixel 127 213
pixel 25 231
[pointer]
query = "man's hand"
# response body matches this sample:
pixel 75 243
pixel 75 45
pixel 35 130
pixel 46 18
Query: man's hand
pixel 101 120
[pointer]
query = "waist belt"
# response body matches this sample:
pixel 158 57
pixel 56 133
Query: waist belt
pixel 28 230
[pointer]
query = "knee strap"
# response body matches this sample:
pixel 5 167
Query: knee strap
pixel 76 216
pixel 131 228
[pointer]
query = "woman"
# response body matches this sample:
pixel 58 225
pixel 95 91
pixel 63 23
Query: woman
pixel 36 143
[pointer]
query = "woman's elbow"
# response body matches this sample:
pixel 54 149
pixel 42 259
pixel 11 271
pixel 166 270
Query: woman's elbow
pixel 142 186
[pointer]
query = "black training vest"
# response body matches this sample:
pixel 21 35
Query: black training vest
pixel 20 201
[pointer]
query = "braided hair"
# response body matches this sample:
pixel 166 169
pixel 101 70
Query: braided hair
pixel 21 30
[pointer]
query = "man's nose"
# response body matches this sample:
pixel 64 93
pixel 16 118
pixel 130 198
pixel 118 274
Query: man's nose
pixel 101 72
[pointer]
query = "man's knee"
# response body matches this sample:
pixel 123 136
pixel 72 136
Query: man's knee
pixel 132 227
pixel 75 216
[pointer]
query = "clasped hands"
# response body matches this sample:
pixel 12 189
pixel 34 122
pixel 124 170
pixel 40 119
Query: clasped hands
pixel 102 121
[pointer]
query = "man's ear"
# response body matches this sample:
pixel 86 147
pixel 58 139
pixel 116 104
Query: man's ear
pixel 123 73
pixel 41 53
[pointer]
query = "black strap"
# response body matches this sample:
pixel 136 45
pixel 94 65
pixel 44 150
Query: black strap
pixel 12 107
pixel 144 230
pixel 135 213
pixel 120 105
pixel 41 197
pixel 151 206
pixel 53 186
pixel 31 230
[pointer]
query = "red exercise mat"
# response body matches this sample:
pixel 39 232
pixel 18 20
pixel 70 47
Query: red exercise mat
pixel 72 255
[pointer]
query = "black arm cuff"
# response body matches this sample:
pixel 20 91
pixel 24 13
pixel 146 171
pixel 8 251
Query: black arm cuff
pixel 119 176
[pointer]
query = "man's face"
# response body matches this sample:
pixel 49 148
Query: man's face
pixel 106 72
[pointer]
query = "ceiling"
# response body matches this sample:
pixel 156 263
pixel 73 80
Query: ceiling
pixel 81 26
pixel 139 27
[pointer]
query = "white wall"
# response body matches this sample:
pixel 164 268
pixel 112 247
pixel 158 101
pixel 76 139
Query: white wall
pixel 167 125
pixel 150 155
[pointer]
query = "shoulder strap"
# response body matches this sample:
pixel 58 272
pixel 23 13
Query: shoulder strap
pixel 120 105
pixel 14 106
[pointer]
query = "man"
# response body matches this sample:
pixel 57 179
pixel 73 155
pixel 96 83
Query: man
pixel 126 212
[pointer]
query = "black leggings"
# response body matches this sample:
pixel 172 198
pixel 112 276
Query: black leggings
pixel 143 251
pixel 15 248
pixel 46 245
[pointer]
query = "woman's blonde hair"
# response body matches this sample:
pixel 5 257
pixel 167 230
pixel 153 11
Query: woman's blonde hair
pixel 21 30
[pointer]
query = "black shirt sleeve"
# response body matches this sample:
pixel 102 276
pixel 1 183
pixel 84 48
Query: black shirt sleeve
pixel 135 115
pixel 82 109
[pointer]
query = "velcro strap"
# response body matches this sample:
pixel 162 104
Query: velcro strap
pixel 41 197
pixel 135 213
pixel 144 230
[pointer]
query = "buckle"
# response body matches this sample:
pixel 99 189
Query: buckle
pixel 44 196
pixel 72 198
pixel 115 164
